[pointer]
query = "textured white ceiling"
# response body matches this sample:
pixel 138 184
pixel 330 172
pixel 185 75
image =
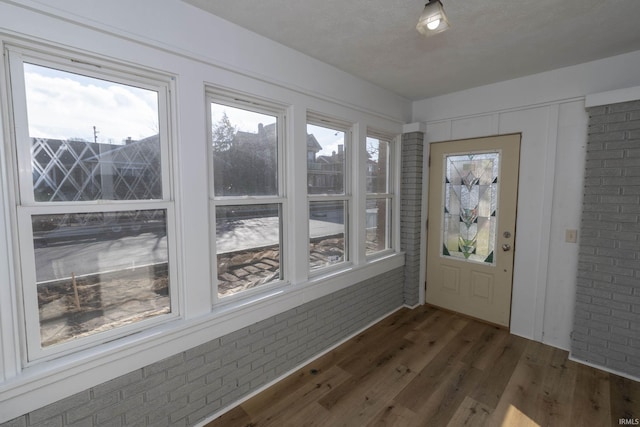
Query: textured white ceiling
pixel 489 40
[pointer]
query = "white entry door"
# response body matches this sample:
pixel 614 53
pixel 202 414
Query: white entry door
pixel 473 188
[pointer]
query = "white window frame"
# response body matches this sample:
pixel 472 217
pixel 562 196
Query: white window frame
pixel 322 120
pixel 26 205
pixel 390 195
pixel 261 106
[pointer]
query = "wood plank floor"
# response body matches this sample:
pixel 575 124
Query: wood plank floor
pixel 427 367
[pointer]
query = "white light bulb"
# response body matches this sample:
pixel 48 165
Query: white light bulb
pixel 432 25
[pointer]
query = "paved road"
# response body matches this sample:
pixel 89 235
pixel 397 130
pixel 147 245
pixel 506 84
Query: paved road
pixel 93 256
pixel 58 261
pixel 260 232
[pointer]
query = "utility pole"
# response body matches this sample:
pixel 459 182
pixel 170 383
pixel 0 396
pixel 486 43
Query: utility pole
pixel 95 134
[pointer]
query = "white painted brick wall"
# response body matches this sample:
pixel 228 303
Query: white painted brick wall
pixel 410 212
pixel 607 314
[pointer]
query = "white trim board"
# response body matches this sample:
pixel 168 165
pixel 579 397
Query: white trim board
pixel 613 97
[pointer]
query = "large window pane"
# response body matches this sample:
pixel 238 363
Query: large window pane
pixel 96 271
pixel 325 160
pixel 248 241
pixel 245 152
pixel 379 197
pixel 377 225
pixel 377 166
pixel 91 139
pixel 327 233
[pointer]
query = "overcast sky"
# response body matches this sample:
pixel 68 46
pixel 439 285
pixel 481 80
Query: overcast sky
pixel 64 105
pixel 329 139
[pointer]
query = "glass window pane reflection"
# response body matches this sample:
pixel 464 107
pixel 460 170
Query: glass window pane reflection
pixel 96 271
pixel 327 233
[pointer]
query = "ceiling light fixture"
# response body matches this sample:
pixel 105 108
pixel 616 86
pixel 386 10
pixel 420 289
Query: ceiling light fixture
pixel 433 20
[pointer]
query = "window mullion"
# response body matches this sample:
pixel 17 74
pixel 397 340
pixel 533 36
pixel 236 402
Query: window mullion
pixel 30 317
pixel 379 195
pixel 164 128
pixel 328 198
pixel 21 127
pixel 227 201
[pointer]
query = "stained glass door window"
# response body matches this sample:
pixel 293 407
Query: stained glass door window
pixel 470 206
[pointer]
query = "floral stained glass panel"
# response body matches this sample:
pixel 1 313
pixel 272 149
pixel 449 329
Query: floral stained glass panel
pixel 470 206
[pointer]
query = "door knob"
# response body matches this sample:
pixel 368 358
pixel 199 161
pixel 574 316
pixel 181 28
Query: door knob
pixel 506 247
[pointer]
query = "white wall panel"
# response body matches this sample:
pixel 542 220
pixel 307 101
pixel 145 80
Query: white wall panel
pixel 438 131
pixel 533 216
pixel 567 208
pixel 472 127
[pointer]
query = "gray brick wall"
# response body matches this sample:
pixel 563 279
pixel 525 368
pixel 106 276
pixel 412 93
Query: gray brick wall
pixel 187 387
pixel 607 314
pixel 410 212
